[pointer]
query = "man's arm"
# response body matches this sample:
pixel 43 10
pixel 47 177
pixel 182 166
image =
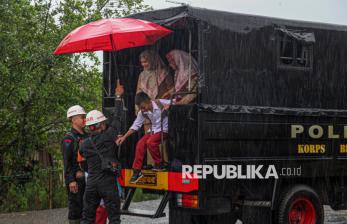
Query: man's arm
pixel 138 122
pixel 117 117
pixel 69 166
pixel 114 122
pixel 68 157
pixel 134 127
pixel 121 139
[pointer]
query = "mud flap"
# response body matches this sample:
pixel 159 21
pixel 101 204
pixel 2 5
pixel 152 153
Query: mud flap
pixel 255 212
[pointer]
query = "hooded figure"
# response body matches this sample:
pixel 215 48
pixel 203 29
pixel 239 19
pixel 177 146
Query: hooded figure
pixel 185 67
pixel 154 80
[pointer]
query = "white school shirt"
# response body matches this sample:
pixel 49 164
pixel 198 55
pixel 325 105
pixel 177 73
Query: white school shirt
pixel 155 118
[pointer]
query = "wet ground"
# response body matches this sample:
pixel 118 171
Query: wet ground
pixel 58 216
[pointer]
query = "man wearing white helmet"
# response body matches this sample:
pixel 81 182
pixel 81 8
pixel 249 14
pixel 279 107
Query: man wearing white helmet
pixel 74 165
pixel 103 167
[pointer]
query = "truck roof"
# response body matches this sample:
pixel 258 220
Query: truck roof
pixel 229 20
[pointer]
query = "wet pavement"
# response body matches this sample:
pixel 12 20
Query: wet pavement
pixel 58 216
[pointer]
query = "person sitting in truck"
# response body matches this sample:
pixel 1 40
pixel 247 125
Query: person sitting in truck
pixel 186 75
pixel 153 110
pixel 155 79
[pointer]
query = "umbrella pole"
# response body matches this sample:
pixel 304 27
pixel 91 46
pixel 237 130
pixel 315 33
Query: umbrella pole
pixel 113 52
pixel 117 98
pixel 124 117
pixel 190 60
pixel 109 73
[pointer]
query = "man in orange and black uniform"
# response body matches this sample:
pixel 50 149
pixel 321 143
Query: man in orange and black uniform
pixel 74 165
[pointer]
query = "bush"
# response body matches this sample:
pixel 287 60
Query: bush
pixel 35 194
pixel 141 196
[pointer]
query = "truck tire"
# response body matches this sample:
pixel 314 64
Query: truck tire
pixel 300 204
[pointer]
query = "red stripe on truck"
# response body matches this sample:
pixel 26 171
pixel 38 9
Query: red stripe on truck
pixel 179 184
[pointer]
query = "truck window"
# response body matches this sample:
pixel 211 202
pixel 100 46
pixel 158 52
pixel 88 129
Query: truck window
pixel 295 49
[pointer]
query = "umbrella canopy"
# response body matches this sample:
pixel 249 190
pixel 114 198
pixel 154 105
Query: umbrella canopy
pixel 111 35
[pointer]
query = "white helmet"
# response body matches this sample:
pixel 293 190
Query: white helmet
pixel 94 117
pixel 75 110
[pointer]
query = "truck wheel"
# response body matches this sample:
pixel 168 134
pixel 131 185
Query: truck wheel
pixel 300 204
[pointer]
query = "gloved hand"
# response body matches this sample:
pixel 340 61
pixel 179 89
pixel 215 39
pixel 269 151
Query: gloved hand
pixel 79 174
pixel 119 89
pixel 120 140
pixel 117 168
pixel 73 186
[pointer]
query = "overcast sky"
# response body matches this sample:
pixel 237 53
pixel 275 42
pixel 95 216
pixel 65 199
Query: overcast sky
pixel 327 11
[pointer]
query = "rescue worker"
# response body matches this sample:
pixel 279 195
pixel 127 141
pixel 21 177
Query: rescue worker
pixel 74 165
pixel 103 167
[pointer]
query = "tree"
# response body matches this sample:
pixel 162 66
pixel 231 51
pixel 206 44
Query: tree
pixel 36 87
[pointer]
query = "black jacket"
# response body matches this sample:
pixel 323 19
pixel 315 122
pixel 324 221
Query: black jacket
pixel 70 146
pixel 105 143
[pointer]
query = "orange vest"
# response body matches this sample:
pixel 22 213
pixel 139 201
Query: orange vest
pixel 80 158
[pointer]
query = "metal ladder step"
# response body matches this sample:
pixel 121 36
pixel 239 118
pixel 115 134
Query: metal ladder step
pixel 144 213
pixel 141 213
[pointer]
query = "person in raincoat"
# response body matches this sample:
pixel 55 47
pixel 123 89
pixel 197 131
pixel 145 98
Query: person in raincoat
pixel 186 75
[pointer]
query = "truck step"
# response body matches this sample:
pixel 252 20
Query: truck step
pixel 142 213
pixel 158 213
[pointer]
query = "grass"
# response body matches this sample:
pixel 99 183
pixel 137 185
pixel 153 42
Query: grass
pixel 141 196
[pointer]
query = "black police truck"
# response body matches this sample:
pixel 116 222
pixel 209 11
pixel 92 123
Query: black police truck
pixel 270 114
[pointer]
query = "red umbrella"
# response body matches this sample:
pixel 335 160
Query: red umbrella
pixel 111 35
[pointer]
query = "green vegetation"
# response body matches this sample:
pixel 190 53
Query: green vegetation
pixel 44 190
pixel 141 196
pixel 37 87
